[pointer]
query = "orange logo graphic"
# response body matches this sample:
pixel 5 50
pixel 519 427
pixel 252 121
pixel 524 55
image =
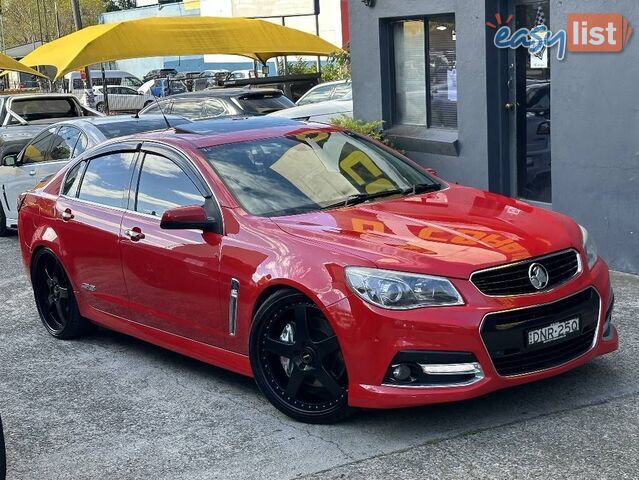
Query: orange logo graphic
pixel 598 32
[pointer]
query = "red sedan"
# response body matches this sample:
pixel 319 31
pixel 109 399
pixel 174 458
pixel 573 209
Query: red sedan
pixel 335 271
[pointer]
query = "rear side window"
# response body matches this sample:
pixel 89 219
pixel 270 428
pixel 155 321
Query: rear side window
pixel 72 180
pixel 130 127
pixel 263 103
pixel 106 179
pixel 38 149
pixel 163 185
pixel 319 94
pixel 64 143
pixel 43 108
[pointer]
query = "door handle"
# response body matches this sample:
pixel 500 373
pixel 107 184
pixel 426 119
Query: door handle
pixel 67 215
pixel 511 105
pixel 134 234
pixel 32 173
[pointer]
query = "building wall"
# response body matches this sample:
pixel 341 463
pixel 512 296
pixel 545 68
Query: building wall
pixel 469 166
pixel 595 131
pixel 595 114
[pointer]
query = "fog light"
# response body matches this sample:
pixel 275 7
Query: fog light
pixel 401 372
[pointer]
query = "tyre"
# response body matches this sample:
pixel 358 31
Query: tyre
pixel 54 297
pixel 147 103
pixel 100 108
pixel 4 231
pixel 297 361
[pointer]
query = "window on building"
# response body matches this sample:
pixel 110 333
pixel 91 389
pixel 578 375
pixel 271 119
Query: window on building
pixel 424 63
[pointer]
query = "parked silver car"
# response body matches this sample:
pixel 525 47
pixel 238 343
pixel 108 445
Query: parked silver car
pixel 52 148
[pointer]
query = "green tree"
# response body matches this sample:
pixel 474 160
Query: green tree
pixel 28 21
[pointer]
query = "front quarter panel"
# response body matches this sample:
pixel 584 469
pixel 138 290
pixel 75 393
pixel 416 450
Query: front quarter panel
pixel 262 258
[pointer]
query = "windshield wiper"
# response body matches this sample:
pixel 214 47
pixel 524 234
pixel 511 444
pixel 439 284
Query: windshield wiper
pixel 363 197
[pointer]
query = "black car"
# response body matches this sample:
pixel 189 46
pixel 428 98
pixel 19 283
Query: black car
pixel 160 73
pixel 222 102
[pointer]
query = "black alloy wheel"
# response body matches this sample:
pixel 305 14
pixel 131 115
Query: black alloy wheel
pixel 297 361
pixel 100 107
pixel 54 297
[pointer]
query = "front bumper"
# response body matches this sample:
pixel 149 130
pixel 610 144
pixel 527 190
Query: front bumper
pixel 371 337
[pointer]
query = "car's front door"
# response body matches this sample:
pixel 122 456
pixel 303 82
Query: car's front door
pixel 91 206
pixel 171 275
pixel 22 177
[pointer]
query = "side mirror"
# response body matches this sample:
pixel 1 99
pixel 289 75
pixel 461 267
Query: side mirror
pixel 10 160
pixel 184 218
pixel 543 128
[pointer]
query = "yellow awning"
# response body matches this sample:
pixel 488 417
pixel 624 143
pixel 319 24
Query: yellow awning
pixel 175 36
pixel 8 63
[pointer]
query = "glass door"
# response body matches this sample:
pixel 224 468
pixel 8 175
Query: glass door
pixel 529 107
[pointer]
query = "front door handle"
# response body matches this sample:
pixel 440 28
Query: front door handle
pixel 67 215
pixel 134 234
pixel 32 173
pixel 511 105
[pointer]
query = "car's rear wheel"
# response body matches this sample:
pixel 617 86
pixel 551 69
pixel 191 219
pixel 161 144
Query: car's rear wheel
pixel 297 361
pixel 55 300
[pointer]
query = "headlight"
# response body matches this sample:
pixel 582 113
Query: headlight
pixel 589 247
pixel 401 291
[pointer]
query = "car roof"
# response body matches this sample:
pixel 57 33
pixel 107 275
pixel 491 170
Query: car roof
pixel 116 119
pixel 220 131
pixel 43 95
pixel 224 92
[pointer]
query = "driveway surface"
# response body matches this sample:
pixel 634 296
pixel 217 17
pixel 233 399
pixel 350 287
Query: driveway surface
pixel 112 407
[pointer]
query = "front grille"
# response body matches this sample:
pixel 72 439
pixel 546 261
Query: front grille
pixel 505 334
pixel 514 279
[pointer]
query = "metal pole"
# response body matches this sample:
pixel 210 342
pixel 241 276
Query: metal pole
pixel 285 60
pixel 105 94
pixel 78 26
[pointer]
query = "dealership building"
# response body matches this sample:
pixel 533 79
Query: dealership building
pixel 484 116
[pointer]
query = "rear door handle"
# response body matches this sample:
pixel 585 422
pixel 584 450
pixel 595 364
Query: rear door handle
pixel 32 173
pixel 67 215
pixel 134 234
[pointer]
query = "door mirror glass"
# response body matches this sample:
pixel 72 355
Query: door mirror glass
pixel 184 218
pixel 10 160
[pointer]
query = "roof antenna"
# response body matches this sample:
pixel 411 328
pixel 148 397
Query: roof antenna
pixel 168 125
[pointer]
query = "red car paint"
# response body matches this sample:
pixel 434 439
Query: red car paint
pixel 171 288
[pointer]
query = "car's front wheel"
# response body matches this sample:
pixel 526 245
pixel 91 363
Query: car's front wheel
pixel 297 361
pixel 100 107
pixel 54 297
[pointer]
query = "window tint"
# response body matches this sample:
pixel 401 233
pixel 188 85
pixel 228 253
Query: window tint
pixel 164 185
pixel 212 108
pixel 38 149
pixel 106 179
pixel 72 180
pixel 39 109
pixel 63 143
pixel 342 91
pixel 132 126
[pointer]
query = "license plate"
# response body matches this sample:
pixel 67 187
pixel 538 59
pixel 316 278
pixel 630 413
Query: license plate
pixel 553 332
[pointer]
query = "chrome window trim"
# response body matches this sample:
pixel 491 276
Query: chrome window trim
pixel 532 259
pixel 535 372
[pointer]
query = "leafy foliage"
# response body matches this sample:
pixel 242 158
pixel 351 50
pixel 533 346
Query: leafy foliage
pixel 338 66
pixel 370 129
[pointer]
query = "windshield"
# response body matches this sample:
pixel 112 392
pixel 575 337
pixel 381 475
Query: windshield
pixel 263 103
pixel 131 127
pixel 311 171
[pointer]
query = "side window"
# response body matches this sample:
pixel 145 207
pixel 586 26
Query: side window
pixel 37 150
pixel 81 146
pixel 106 180
pixel 318 95
pixel 340 91
pixel 188 109
pixel 63 143
pixel 164 185
pixel 212 108
pixel 72 180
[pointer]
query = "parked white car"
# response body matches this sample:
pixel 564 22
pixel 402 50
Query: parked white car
pixel 324 92
pixel 322 112
pixel 121 99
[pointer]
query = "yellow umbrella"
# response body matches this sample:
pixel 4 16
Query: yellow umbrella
pixel 174 36
pixel 8 63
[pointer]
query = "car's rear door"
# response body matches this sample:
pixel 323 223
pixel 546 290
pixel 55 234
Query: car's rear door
pixel 90 210
pixel 172 275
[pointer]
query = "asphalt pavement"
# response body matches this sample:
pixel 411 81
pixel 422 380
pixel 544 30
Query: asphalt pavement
pixel 112 407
